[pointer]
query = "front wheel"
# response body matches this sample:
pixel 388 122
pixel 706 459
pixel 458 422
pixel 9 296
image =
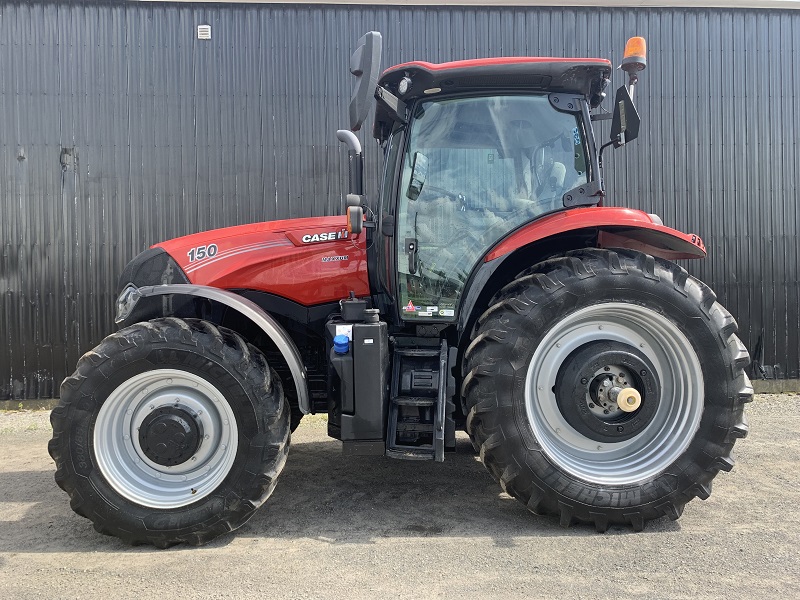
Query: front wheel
pixel 606 387
pixel 170 431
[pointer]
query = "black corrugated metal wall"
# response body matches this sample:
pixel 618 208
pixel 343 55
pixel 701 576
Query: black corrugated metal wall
pixel 118 129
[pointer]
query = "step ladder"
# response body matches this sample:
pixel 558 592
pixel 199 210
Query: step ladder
pixel 420 409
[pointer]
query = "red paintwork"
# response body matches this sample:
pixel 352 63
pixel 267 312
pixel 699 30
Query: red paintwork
pixel 503 60
pixel 619 227
pixel 272 257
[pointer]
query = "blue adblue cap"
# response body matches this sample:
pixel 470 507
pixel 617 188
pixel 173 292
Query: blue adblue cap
pixel 341 344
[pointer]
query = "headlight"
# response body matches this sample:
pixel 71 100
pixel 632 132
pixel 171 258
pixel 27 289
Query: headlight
pixel 126 302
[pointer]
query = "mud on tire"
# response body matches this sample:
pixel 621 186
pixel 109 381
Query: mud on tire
pixel 532 379
pixel 185 376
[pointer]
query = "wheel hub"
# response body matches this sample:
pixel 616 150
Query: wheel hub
pixel 170 435
pixel 607 391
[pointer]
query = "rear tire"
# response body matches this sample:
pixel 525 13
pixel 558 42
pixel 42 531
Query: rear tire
pixel 541 368
pixel 170 431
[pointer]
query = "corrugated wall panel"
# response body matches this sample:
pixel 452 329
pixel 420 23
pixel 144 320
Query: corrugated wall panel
pixel 119 129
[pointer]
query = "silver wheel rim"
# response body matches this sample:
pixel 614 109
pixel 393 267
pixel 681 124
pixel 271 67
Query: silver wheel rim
pixel 671 428
pixel 122 461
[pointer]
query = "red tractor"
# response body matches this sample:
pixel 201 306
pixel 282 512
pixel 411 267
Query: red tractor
pixel 489 290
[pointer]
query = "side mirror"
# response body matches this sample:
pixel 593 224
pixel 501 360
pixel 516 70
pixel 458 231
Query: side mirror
pixel 419 173
pixel 625 122
pixel 365 64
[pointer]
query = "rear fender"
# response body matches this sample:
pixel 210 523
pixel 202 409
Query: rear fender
pixel 614 227
pixel 131 295
pixel 556 234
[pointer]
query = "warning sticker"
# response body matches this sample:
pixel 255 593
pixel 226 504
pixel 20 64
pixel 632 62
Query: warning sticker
pixel 410 307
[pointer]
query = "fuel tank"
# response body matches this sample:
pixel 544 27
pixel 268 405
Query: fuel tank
pixel 310 261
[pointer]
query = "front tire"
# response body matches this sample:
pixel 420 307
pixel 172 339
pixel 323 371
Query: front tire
pixel 170 431
pixel 606 387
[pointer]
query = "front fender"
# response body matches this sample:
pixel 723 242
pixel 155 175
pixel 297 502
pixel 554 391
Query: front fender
pixel 131 295
pixel 615 228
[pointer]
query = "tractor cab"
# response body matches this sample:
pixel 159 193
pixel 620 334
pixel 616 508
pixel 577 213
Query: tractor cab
pixel 471 168
pixel 474 150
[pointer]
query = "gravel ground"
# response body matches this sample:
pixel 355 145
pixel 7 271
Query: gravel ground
pixel 377 528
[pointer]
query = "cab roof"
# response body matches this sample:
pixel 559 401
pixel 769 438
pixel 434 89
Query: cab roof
pixel 541 73
pixel 585 76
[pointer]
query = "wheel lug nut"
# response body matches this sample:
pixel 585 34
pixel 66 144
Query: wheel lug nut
pixel 605 411
pixel 591 405
pixel 584 381
pixel 606 368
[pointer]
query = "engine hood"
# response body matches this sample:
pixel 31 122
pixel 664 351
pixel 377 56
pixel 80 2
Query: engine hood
pixel 310 261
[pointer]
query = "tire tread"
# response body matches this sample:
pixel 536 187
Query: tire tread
pixel 223 343
pixel 488 419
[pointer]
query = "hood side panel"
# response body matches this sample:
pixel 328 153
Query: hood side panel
pixel 309 261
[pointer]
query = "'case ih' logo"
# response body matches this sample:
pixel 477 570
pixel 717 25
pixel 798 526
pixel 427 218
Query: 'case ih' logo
pixel 327 236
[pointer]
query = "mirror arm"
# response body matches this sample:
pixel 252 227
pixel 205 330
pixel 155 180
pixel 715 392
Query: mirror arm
pixel 397 108
pixel 613 142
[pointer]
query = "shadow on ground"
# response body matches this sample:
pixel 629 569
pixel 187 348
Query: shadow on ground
pixel 321 495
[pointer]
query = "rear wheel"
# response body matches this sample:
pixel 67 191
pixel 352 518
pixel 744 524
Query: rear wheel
pixel 170 431
pixel 606 387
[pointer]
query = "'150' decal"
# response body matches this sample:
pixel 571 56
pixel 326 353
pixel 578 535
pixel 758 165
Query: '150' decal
pixel 202 252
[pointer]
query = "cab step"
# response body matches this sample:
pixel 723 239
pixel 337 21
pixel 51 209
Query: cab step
pixel 419 422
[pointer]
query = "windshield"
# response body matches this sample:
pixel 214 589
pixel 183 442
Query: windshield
pixel 475 169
